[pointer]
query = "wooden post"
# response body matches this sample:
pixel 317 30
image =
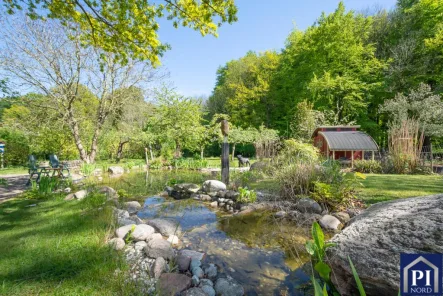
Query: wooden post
pixel 146 158
pixel 333 154
pixel 352 158
pixel 432 158
pixel 225 153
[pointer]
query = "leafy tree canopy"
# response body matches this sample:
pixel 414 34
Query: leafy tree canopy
pixel 128 28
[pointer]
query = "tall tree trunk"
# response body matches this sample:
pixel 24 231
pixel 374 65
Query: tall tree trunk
pixel 202 152
pixel 120 150
pixel 94 144
pixel 233 151
pixel 73 126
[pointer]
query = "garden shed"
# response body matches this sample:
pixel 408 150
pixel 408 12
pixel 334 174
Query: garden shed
pixel 344 143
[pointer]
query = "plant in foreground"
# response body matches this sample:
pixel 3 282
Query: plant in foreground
pixel 246 195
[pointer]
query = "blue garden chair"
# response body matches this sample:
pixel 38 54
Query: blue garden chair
pixel 33 169
pixel 55 164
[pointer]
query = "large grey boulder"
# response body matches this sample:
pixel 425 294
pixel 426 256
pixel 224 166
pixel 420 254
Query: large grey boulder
pixel 172 284
pixel 228 287
pixel 133 206
pixel 116 170
pixel 81 194
pixel 184 190
pixel 166 227
pixel 213 186
pixel 122 231
pixel 117 243
pixel 159 248
pixel 109 191
pixel 375 239
pixel 307 205
pixel 159 267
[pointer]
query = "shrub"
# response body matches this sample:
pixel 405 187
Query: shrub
pixel 339 193
pixel 156 164
pixel 246 195
pixel 368 166
pixel 244 179
pixel 87 168
pixel 296 151
pixel 296 179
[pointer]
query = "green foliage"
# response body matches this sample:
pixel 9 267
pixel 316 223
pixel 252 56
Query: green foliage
pixel 128 236
pixel 360 287
pixel 367 166
pixel 246 195
pixel 296 179
pixel 189 163
pixel 156 164
pixel 47 185
pixel 244 179
pixel 122 193
pixel 128 29
pixel 87 168
pixel 296 151
pixel 340 192
pixel 16 146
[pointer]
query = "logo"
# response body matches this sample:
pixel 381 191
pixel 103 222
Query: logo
pixel 421 274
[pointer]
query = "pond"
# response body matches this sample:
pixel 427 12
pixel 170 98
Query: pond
pixel 265 255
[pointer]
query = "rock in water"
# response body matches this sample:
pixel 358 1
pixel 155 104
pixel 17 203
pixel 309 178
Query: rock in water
pixel 228 287
pixel 165 226
pixel 374 240
pixel 116 170
pixel 133 206
pixel 307 205
pixel 329 222
pixel 172 284
pixel 213 186
pixel 192 254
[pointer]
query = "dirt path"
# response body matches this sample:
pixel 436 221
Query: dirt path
pixel 16 185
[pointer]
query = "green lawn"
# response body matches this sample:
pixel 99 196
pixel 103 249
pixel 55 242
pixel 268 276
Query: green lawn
pixel 379 188
pixel 58 248
pixel 14 171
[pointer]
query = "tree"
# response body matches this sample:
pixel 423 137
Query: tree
pixel 43 56
pixel 128 28
pixel 242 89
pixel 420 105
pixel 177 120
pixel 305 121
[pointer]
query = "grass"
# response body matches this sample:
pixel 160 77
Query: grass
pixel 58 248
pixel 18 170
pixel 379 188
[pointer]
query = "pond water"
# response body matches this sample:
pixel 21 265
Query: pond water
pixel 265 255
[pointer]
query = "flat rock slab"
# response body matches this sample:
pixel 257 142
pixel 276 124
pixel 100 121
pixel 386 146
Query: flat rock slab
pixel 172 283
pixel 166 227
pixel 192 254
pixel 374 240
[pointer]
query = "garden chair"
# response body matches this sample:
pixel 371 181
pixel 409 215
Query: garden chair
pixel 33 169
pixel 55 164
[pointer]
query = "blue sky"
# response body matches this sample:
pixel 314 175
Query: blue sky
pixel 262 25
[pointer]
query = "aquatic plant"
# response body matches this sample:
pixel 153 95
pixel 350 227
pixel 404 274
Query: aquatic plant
pixel 246 195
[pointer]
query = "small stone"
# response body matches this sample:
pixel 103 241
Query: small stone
pixel 205 197
pixel 342 216
pixel 154 236
pixel 133 206
pixel 211 271
pixel 329 222
pixel 69 196
pixel 122 231
pixel 197 271
pixel 142 232
pixel 172 284
pixel 195 263
pixel 307 205
pixel 206 282
pixel 166 227
pixel 81 194
pixel 209 290
pixel 140 245
pixel 230 202
pixel 228 287
pixel 183 263
pixel 194 292
pixel 117 243
pixel 195 280
pixel 159 267
pixel 192 254
pixel 214 204
pixel 221 205
pixel 173 239
pixel 67 190
pixel 159 248
pixel 280 214
pixel 116 170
